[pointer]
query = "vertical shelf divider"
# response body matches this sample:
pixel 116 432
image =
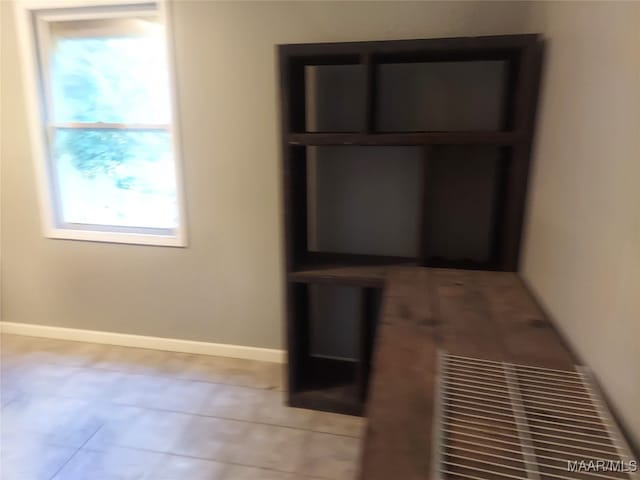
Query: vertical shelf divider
pixel 298 334
pixel 505 162
pixel 425 207
pixel 526 88
pixel 370 93
pixel 297 179
pixel 365 338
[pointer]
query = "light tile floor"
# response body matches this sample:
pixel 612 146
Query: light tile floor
pixel 82 411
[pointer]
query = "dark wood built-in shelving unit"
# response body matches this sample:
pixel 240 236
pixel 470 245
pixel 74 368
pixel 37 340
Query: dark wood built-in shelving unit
pixel 411 152
pixel 399 139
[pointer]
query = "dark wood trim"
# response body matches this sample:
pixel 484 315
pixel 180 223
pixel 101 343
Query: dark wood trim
pixel 297 335
pixel 473 45
pixel 293 85
pixel 327 58
pixel 425 222
pixel 365 276
pixel 465 264
pixel 526 97
pixel 404 139
pixel 285 102
pixel 366 340
pixel 328 259
pixel 296 181
pixel 509 94
pixel 370 93
pixel 499 208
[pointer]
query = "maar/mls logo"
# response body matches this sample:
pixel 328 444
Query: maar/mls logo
pixel 602 466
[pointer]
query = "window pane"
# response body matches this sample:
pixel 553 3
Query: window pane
pixel 116 177
pixel 109 71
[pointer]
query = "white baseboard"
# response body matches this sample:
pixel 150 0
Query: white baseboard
pixel 141 341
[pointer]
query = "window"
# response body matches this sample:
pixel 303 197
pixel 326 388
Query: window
pixel 108 160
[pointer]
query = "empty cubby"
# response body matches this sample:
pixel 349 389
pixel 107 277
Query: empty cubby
pixel 462 188
pixel 335 326
pixel 364 200
pixel 333 318
pixel 334 98
pixel 441 96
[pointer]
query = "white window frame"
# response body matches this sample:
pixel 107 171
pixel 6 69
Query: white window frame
pixel 35 98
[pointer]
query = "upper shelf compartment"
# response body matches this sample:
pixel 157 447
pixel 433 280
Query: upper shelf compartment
pixel 470 90
pixel 423 100
pixel 335 98
pixel 440 96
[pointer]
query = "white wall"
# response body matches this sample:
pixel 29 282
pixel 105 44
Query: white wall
pixel 227 286
pixel 582 248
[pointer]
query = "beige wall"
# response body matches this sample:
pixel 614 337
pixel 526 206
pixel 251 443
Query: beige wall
pixel 227 286
pixel 582 250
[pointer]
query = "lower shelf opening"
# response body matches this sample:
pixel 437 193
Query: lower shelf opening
pixel 330 385
pixel 335 327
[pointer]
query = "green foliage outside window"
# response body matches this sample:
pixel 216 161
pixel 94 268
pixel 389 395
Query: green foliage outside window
pixel 111 80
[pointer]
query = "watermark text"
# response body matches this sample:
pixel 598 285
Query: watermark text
pixel 621 466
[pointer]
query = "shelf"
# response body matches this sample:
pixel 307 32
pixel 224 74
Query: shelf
pixel 374 275
pixel 340 398
pixel 414 138
pixel 365 276
pixel 466 264
pixel 329 385
pixel 349 52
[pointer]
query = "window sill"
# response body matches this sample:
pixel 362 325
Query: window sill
pixel 175 240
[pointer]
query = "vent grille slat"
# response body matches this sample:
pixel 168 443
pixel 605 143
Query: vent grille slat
pixel 498 420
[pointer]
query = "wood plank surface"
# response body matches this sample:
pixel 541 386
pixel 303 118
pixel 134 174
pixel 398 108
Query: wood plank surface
pixel 528 335
pixel 401 386
pixel 489 315
pixel 407 138
pixel 366 276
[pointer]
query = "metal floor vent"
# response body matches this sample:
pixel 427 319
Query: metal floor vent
pixel 497 420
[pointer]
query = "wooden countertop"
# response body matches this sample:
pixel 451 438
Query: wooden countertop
pixel 488 315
